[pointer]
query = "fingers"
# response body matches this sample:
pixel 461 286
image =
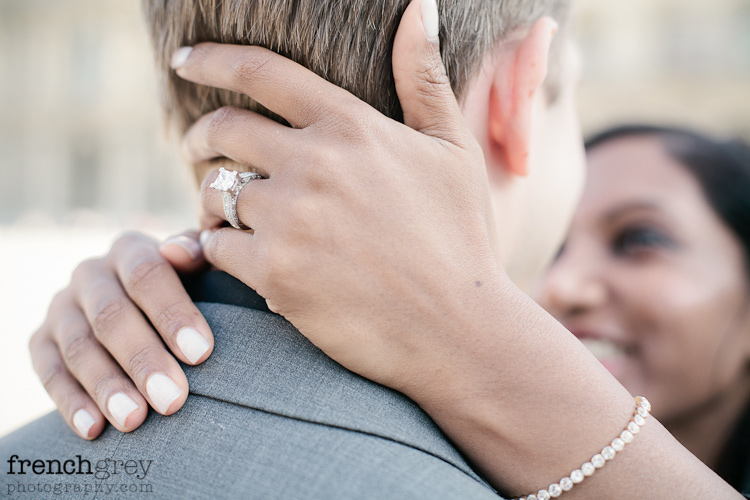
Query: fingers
pixel 183 252
pixel 422 84
pixel 235 252
pixel 239 134
pixel 89 365
pixel 120 327
pixel 76 407
pixel 253 203
pixel 280 84
pixel 153 285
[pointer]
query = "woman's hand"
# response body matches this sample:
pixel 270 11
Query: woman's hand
pixel 375 239
pixel 99 354
pixel 365 227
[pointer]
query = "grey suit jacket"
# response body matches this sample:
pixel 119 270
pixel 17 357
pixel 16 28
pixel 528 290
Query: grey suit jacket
pixel 269 416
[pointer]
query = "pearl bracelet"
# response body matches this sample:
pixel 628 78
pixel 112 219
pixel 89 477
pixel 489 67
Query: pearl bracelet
pixel 554 490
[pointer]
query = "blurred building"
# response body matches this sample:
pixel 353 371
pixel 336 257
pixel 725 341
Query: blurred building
pixel 79 123
pixel 680 61
pixel 80 129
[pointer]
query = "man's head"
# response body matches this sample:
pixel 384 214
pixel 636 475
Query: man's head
pixel 495 53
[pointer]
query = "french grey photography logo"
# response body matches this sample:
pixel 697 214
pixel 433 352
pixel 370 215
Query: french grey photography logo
pixel 36 478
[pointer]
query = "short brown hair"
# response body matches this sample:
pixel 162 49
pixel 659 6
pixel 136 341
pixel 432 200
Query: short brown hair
pixel 347 42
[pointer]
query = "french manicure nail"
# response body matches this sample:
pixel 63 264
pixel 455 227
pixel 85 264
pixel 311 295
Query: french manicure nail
pixel 163 391
pixel 83 422
pixel 121 405
pixel 430 19
pixel 192 344
pixel 191 246
pixel 180 56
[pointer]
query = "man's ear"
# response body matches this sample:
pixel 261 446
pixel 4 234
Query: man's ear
pixel 520 69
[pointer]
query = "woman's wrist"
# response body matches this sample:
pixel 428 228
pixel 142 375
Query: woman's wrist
pixel 510 375
pixel 527 403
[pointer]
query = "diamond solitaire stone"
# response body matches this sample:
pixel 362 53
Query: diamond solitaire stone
pixel 225 181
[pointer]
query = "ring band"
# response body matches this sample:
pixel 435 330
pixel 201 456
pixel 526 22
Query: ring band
pixel 229 183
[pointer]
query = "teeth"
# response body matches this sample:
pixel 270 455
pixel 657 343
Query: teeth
pixel 603 349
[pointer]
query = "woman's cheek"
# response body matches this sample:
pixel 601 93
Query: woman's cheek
pixel 685 355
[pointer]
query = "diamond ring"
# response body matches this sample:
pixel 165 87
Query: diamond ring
pixel 229 183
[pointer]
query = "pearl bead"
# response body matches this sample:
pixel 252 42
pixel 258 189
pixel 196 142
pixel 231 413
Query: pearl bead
pixel 588 469
pixel 626 436
pixel 576 476
pixel 643 403
pixel 554 490
pixel 618 444
pixel 566 484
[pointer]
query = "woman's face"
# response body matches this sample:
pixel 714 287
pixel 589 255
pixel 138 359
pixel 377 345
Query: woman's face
pixel 652 281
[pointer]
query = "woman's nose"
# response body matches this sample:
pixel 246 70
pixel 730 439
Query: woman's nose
pixel 573 285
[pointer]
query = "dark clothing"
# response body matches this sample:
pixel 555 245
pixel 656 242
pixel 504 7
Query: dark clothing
pixel 735 464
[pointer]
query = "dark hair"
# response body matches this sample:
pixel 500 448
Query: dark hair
pixel 721 167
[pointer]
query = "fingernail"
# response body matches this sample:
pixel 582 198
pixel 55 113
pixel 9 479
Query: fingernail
pixel 121 405
pixel 192 247
pixel 83 422
pixel 204 237
pixel 179 57
pixel 192 344
pixel 163 391
pixel 430 19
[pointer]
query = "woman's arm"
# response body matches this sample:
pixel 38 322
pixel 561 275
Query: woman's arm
pixel 530 404
pixel 408 292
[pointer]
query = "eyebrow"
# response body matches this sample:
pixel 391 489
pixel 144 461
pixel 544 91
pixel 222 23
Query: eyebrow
pixel 643 205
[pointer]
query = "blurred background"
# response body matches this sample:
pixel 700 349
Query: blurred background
pixel 83 155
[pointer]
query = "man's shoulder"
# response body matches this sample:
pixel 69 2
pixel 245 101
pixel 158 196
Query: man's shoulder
pixel 213 449
pixel 269 416
pixel 261 361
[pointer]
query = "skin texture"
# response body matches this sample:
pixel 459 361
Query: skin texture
pixel 480 365
pixel 650 266
pixel 95 341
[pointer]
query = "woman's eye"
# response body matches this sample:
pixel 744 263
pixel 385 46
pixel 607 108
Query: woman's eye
pixel 637 239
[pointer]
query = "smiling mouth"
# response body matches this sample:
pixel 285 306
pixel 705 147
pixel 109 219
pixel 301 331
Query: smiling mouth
pixel 604 349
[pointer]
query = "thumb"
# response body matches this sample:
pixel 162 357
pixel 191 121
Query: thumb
pixel 422 84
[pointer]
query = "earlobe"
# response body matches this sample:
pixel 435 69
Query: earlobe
pixel 519 76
